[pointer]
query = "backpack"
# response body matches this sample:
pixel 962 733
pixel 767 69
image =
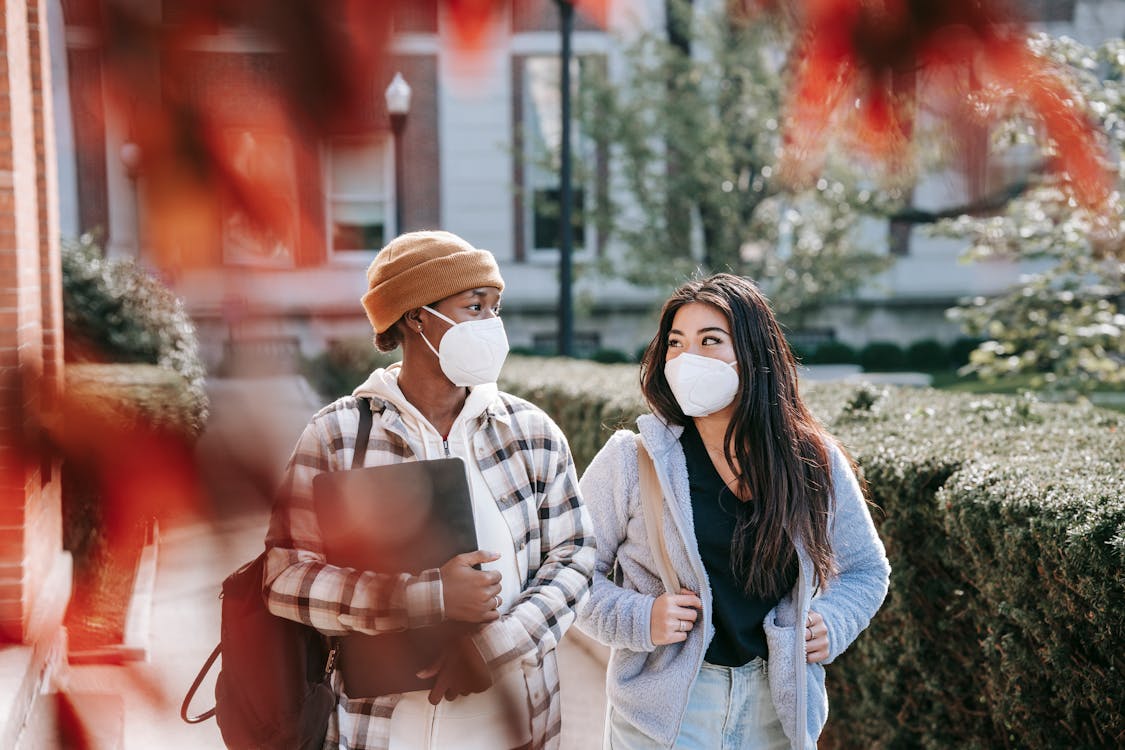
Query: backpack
pixel 274 689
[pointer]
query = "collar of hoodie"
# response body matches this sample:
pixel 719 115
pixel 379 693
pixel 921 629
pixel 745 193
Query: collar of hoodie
pixel 382 385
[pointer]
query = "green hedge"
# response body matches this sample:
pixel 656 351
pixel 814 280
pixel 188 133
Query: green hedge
pixel 116 311
pixel 345 364
pixel 1004 520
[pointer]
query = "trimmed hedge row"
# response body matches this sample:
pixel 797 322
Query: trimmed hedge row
pixel 1004 520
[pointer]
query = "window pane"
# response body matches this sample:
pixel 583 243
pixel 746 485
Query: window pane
pixel 359 168
pixel 359 194
pixel 358 225
pixel 356 237
pixel 545 222
pixel 542 141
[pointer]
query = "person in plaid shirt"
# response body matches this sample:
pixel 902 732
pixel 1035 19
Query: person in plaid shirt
pixel 438 298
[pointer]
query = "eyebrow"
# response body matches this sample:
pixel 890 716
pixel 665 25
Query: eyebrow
pixel 701 330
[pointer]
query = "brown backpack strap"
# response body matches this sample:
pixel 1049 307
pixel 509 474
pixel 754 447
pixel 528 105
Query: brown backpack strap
pixel 652 502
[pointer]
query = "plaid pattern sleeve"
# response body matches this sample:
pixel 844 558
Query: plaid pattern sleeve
pixel 299 584
pixel 531 459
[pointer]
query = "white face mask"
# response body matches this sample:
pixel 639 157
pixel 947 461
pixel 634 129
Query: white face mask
pixel 472 352
pixel 701 385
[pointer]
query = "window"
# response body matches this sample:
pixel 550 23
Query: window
pixel 539 116
pixel 359 188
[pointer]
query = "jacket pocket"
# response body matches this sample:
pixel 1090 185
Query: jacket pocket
pixel 781 670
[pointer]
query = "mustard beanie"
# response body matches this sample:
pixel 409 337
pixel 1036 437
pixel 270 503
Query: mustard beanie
pixel 420 268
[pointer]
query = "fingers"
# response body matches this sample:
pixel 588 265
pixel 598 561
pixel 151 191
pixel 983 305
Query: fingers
pixel 469 559
pixel 433 669
pixel 686 598
pixel 816 638
pixel 685 614
pixel 441 684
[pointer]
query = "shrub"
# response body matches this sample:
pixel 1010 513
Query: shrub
pixel 1004 520
pixel 345 364
pixel 960 350
pixel 882 356
pixel 610 356
pixel 927 354
pixel 115 311
pixel 832 353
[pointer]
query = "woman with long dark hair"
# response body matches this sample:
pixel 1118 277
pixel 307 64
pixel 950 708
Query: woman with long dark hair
pixel 764 525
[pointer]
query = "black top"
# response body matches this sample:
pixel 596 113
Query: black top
pixel 737 616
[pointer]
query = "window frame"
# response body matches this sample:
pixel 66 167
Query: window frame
pixel 526 164
pixel 331 197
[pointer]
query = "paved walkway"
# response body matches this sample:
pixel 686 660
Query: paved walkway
pixel 253 426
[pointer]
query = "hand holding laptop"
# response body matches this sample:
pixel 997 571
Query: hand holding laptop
pixel 459 670
pixel 471 595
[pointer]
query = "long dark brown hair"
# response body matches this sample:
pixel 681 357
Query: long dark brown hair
pixel 781 450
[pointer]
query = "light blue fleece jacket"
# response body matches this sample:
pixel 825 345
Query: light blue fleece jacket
pixel 649 685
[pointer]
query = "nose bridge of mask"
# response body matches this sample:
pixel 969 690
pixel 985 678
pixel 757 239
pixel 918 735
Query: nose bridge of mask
pixel 707 364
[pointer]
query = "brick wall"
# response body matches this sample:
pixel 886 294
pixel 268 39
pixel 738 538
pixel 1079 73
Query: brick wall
pixel 30 352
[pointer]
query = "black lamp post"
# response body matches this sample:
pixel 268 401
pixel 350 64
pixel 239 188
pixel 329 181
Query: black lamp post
pixel 566 234
pixel 398 106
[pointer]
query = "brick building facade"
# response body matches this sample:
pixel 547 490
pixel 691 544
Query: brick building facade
pixel 34 570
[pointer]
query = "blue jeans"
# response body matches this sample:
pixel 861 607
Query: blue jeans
pixel 729 708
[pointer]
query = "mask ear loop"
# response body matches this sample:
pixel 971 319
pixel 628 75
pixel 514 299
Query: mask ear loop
pixel 426 340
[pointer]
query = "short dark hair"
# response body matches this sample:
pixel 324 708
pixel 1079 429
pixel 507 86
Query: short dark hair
pixel 390 339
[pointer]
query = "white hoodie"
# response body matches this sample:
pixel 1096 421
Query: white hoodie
pixel 498 717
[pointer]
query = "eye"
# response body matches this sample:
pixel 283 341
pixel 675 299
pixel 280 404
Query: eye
pixel 496 309
pixel 709 340
pixel 674 343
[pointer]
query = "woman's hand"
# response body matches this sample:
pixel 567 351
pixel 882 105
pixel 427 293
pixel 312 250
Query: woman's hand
pixel 816 638
pixel 470 595
pixel 673 617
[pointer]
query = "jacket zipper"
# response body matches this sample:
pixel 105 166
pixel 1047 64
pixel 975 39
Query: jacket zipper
pixel 701 573
pixel 800 668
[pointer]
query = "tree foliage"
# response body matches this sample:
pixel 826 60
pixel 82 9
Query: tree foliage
pixel 1063 322
pixel 695 133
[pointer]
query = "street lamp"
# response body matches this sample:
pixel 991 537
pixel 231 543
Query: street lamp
pixel 398 105
pixel 566 238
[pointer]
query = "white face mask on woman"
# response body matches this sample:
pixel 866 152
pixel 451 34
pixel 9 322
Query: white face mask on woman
pixel 471 352
pixel 701 385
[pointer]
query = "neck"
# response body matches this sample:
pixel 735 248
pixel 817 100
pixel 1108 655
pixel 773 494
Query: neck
pixel 425 386
pixel 713 428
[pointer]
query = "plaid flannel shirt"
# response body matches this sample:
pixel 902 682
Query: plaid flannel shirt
pixel 526 462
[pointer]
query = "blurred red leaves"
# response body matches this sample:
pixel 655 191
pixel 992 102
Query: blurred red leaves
pixel 859 66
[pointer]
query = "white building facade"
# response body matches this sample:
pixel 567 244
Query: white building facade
pixel 477 151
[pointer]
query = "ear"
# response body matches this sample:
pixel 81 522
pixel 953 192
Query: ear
pixel 412 319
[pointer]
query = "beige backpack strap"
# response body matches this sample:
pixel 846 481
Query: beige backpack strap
pixel 652 502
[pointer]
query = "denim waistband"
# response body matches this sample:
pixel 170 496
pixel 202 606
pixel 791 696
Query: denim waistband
pixel 757 664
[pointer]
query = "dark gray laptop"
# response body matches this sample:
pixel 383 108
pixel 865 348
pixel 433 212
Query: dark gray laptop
pixel 396 518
